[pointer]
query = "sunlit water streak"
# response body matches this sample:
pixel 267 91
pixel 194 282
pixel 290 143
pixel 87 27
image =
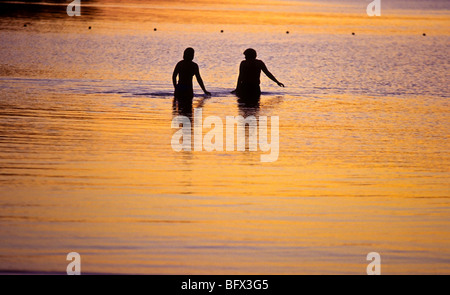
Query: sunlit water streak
pixel 86 163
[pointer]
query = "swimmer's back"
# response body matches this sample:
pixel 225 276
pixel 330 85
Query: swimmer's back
pixel 186 71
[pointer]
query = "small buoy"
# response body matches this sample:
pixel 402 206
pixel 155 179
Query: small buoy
pixel 424 34
pixel 287 32
pixel 221 31
pixel 25 25
pixel 353 34
pixel 89 27
pixel 155 29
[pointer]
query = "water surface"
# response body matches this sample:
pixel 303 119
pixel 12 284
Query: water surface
pixel 86 162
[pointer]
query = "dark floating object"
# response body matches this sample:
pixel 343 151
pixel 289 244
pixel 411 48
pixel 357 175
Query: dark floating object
pixel 353 33
pixel 89 27
pixel 155 29
pixel 221 31
pixel 25 25
pixel 424 34
pixel 287 32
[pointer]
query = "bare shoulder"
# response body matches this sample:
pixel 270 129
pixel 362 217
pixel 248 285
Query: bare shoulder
pixel 195 68
pixel 179 64
pixel 261 64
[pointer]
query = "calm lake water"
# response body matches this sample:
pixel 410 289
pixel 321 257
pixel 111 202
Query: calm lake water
pixel 86 162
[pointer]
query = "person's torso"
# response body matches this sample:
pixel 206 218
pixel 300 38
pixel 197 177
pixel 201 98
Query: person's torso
pixel 186 72
pixel 251 71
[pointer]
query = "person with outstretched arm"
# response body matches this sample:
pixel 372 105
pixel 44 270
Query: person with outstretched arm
pixel 248 85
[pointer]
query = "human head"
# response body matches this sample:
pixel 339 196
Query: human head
pixel 189 54
pixel 250 54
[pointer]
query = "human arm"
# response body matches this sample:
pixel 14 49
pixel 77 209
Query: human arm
pixel 200 81
pixel 269 74
pixel 174 76
pixel 239 81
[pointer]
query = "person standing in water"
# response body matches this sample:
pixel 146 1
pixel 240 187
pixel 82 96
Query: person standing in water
pixel 186 70
pixel 248 89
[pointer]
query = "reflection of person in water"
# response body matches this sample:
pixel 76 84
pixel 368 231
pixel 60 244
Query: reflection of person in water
pixel 248 89
pixel 185 70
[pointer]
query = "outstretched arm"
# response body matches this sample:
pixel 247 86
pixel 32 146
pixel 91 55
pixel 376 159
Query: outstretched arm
pixel 269 74
pixel 200 81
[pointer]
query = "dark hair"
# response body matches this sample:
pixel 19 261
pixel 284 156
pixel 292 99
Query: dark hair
pixel 250 53
pixel 188 54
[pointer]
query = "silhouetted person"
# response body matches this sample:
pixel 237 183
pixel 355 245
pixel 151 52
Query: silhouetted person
pixel 185 70
pixel 248 89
